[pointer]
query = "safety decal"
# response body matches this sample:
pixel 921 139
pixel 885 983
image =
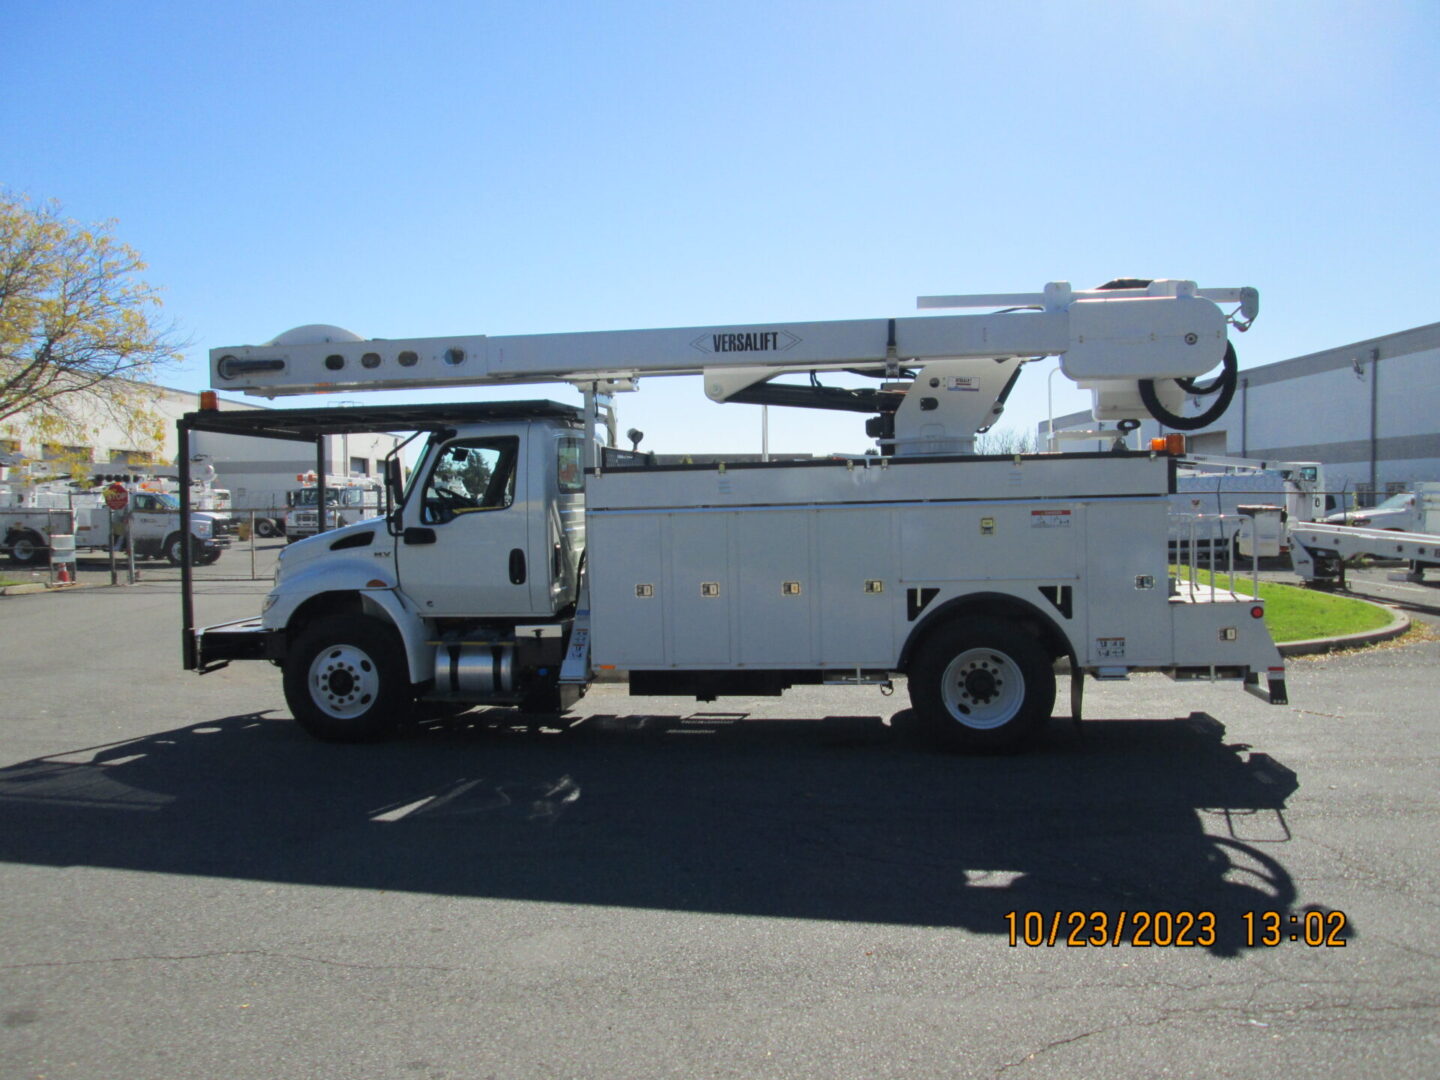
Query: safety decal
pixel 1050 519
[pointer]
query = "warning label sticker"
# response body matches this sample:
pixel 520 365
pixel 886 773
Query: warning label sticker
pixel 1110 648
pixel 1049 519
pixel 967 383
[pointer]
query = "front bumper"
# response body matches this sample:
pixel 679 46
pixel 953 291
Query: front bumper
pixel 211 647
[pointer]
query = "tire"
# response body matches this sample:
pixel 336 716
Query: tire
pixel 28 549
pixel 207 558
pixel 346 679
pixel 265 528
pixel 542 701
pixel 174 549
pixel 982 685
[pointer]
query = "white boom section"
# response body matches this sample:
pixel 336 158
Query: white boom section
pixel 1107 339
pixel 1313 541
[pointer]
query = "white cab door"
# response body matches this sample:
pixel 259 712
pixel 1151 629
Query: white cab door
pixel 464 548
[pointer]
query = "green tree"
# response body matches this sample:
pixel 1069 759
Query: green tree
pixel 79 335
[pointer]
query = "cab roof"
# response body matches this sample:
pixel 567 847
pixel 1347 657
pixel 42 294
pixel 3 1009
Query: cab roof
pixel 306 425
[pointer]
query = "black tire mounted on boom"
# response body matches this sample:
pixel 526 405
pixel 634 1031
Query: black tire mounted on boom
pixel 1224 383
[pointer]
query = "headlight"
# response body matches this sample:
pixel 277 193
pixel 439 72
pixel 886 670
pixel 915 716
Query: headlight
pixel 270 599
pixel 201 527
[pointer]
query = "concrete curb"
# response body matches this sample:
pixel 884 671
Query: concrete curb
pixel 27 587
pixel 1399 624
pixel 21 590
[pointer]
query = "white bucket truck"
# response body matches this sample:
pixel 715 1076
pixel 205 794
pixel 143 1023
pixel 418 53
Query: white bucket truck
pixel 348 499
pixel 31 511
pixel 525 555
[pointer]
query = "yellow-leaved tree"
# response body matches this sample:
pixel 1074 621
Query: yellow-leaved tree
pixel 79 336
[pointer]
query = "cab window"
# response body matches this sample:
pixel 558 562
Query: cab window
pixel 471 475
pixel 569 470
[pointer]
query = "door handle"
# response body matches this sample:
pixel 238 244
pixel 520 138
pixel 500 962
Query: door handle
pixel 416 535
pixel 517 566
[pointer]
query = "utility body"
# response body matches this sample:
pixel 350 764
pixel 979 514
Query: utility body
pixel 528 554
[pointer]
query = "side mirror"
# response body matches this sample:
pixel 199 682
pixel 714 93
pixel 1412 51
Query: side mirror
pixel 394 485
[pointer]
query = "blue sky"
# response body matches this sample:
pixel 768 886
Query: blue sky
pixel 439 167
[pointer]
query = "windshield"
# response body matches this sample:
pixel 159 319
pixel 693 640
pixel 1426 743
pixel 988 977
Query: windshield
pixel 170 502
pixel 349 496
pixel 306 497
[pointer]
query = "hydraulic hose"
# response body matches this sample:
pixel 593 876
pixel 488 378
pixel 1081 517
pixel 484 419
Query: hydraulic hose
pixel 1224 385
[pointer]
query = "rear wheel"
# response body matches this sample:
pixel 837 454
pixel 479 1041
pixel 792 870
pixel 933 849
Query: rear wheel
pixel 346 679
pixel 982 685
pixel 27 549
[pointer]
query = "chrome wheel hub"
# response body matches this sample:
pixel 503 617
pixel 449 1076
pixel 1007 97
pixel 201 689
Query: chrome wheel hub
pixel 982 688
pixel 343 681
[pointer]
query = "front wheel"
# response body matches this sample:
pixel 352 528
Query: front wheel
pixel 982 685
pixel 265 528
pixel 346 679
pixel 174 549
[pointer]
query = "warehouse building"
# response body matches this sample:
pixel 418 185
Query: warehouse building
pixel 256 471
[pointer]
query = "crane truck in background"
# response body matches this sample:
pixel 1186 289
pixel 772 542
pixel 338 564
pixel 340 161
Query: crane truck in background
pixel 529 553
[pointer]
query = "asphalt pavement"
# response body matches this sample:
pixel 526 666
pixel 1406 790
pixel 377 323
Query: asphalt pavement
pixel 655 887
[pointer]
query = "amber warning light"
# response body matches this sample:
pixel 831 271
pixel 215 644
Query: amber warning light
pixel 208 402
pixel 1172 444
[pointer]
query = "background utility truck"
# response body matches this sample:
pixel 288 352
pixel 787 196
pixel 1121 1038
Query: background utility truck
pixel 528 551
pixel 32 511
pixel 1210 491
pixel 1321 549
pixel 348 499
pixel 1404 511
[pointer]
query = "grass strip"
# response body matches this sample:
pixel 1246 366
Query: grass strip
pixel 1294 614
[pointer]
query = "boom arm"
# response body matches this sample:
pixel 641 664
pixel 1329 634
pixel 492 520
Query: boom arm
pixel 1108 341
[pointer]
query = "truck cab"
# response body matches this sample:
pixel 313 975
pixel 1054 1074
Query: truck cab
pixel 492 525
pixel 466 589
pixel 346 502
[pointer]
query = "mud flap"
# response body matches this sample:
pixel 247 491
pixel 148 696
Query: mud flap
pixel 575 669
pixel 1274 693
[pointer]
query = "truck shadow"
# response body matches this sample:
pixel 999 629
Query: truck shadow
pixel 841 818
